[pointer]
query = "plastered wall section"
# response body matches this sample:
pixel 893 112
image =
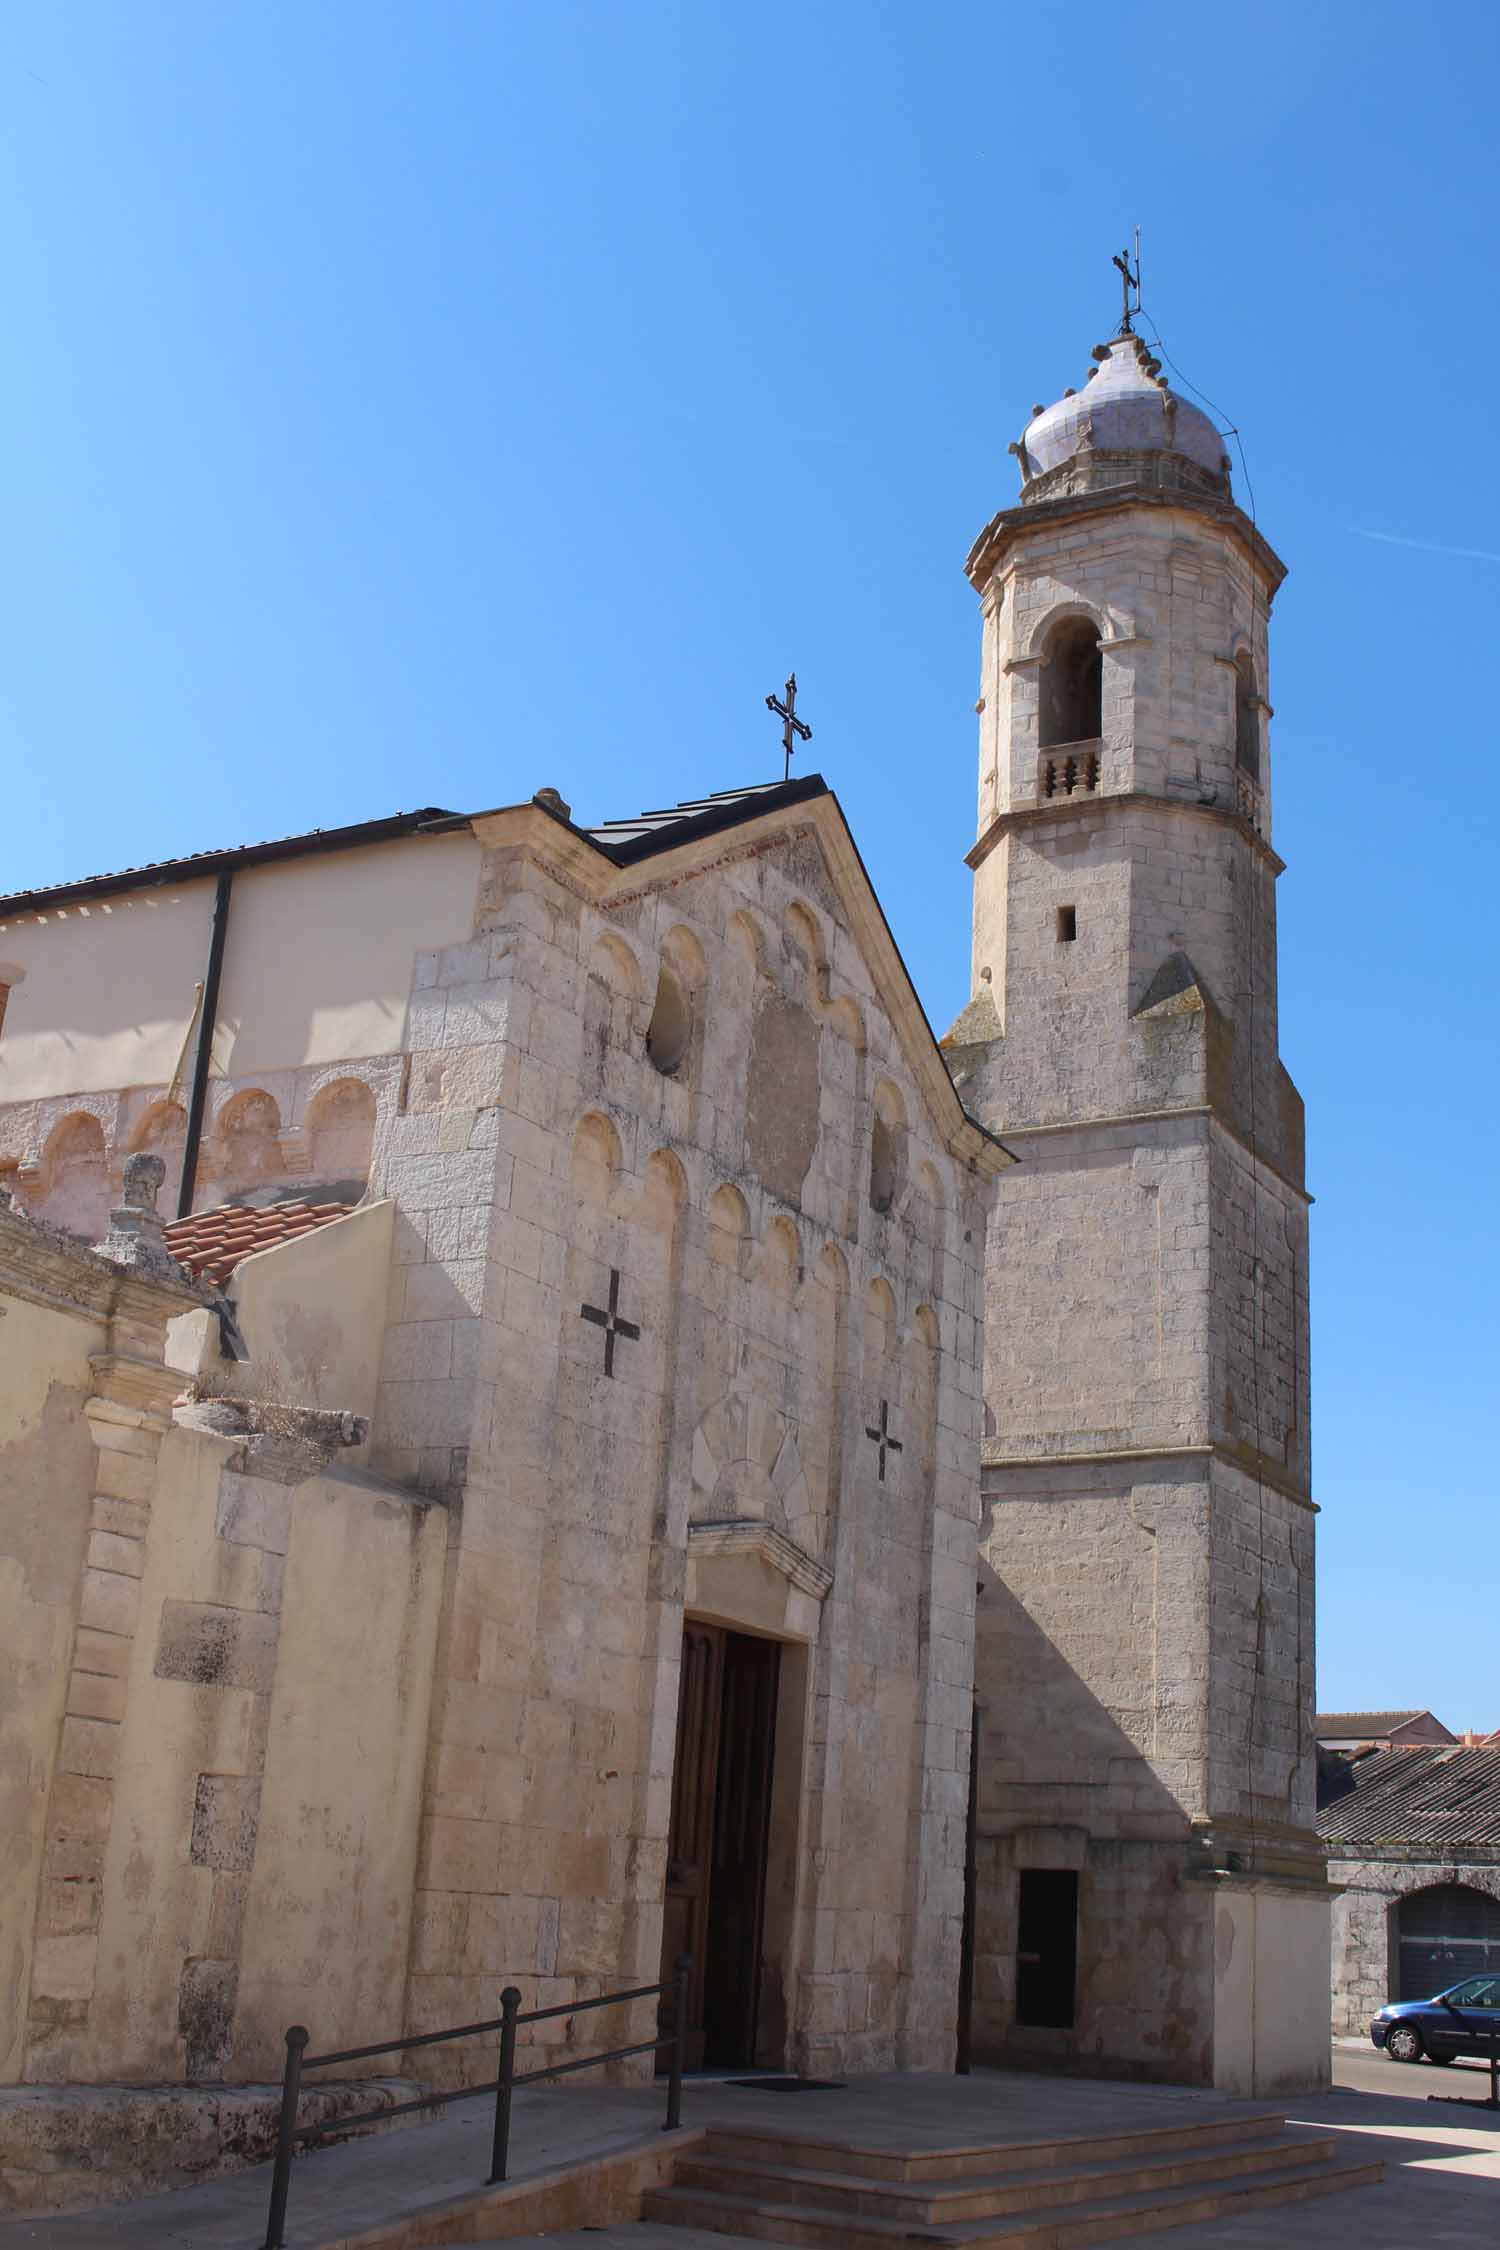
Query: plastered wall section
pixel 722 1211
pixel 317 969
pixel 312 1314
pixel 46 1486
pixel 258 1867
pixel 1270 1972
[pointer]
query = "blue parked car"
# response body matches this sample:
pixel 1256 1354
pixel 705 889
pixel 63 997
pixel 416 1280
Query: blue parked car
pixel 1456 2022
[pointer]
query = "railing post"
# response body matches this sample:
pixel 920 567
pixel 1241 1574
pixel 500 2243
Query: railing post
pixel 281 2177
pixel 510 2004
pixel 679 2034
pixel 1495 2066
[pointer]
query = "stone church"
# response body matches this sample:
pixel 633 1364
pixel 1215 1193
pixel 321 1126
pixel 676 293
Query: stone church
pixel 616 1442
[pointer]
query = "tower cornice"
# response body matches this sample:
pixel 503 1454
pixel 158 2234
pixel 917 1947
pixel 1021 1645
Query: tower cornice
pixel 1061 812
pixel 1013 526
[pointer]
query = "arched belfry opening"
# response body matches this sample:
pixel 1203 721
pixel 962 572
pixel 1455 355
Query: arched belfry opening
pixel 1072 684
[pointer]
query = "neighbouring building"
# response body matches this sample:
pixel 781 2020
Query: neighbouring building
pixel 1413 1837
pixel 1378 1730
pixel 601 1353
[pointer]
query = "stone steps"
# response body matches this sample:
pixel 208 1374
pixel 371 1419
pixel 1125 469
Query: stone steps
pixel 1133 2184
pixel 985 2157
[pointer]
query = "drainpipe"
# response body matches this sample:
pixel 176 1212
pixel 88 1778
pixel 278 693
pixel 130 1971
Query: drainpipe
pixel 204 1055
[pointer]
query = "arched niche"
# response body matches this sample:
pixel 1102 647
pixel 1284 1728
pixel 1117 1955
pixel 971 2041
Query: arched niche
pixel 75 1183
pixel 745 943
pixel 888 1155
pixel 728 1217
pixel 664 1191
pixel 596 1158
pixel 247 1140
pixel 161 1132
pixel 781 1263
pixel 340 1128
pixel 880 1318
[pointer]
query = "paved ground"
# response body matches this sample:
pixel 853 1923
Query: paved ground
pixel 1442 2188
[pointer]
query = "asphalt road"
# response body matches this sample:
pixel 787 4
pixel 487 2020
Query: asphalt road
pixel 1367 2071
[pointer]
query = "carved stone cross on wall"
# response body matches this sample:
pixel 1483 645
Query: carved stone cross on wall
pixel 883 1439
pixel 608 1318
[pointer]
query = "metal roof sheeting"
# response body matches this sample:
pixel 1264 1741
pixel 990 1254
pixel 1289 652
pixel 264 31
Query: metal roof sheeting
pixel 1429 1794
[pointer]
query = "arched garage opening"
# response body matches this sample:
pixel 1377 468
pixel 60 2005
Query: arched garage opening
pixel 1445 1933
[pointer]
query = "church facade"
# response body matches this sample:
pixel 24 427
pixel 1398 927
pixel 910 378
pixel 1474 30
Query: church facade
pixel 635 1592
pixel 627 1398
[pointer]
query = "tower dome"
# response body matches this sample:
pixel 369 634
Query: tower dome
pixel 1126 426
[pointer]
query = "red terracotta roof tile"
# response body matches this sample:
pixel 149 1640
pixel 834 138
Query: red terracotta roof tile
pixel 211 1243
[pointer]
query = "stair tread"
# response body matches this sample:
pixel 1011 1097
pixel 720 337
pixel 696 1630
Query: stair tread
pixel 1249 2124
pixel 1330 2172
pixel 1295 2143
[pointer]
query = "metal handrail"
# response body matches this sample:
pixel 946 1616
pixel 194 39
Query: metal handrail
pixel 507 2023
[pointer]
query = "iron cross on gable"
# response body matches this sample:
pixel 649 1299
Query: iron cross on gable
pixel 608 1318
pixel 792 727
pixel 885 1443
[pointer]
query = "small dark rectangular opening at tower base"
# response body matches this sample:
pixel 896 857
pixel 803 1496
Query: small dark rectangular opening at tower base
pixel 1067 924
pixel 1047 1948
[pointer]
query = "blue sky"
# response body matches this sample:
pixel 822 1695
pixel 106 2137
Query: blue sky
pixel 419 404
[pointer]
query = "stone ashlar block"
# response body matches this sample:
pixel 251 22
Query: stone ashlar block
pixel 209 1646
pixel 226 1814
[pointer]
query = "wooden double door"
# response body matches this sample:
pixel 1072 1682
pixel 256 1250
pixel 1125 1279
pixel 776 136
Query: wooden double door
pixel 716 1851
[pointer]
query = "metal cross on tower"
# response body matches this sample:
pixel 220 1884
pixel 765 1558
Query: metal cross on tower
pixel 791 725
pixel 1129 283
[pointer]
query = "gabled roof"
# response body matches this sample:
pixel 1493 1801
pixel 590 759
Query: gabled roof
pixel 1362 1726
pixel 210 1244
pixel 1424 1794
pixel 627 841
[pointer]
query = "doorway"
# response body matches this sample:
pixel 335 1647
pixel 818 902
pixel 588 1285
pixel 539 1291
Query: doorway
pixel 1047 1948
pixel 716 1851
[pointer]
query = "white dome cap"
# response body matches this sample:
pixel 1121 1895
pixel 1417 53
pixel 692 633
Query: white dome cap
pixel 1125 407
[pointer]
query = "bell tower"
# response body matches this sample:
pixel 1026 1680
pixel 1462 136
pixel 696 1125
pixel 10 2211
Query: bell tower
pixel 1152 1896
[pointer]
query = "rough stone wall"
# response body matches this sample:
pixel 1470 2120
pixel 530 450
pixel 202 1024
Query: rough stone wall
pixel 722 1209
pixel 1366 1968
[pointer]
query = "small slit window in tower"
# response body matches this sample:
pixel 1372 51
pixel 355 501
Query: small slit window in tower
pixel 1072 684
pixel 671 1026
pixel 1067 924
pixel 1246 718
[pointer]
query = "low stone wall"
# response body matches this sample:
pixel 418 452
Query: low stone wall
pixel 65 2148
